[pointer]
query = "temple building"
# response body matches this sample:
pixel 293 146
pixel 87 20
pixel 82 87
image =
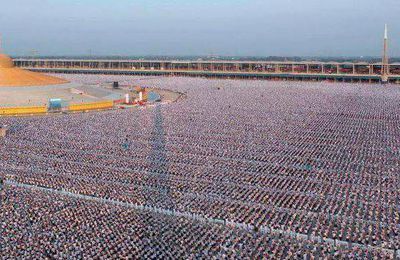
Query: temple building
pixel 10 76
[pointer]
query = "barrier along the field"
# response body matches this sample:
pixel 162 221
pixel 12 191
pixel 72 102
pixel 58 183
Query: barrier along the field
pixel 91 106
pixel 22 110
pixel 4 111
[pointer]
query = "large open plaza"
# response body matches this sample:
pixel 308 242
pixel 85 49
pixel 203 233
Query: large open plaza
pixel 237 168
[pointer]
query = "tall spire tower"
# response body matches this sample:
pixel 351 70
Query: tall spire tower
pixel 385 58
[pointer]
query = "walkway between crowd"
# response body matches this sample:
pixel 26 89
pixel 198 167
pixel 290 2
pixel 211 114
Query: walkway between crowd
pixel 197 217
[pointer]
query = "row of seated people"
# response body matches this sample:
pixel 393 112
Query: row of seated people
pixel 316 159
pixel 39 224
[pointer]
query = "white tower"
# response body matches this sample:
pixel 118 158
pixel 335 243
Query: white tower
pixel 385 58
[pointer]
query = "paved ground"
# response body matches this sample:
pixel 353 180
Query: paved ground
pixel 40 95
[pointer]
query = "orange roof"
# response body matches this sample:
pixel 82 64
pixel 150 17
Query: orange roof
pixel 11 76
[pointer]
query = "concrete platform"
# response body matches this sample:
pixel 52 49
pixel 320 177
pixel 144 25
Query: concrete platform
pixel 71 93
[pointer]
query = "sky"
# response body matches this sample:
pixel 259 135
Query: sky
pixel 185 27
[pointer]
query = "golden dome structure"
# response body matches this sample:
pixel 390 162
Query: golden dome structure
pixel 10 76
pixel 5 62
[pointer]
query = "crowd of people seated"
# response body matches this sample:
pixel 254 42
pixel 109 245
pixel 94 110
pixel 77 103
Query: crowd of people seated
pixel 315 159
pixel 44 225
